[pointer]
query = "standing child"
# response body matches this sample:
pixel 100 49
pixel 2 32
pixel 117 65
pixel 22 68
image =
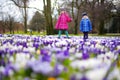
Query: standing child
pixel 62 21
pixel 85 25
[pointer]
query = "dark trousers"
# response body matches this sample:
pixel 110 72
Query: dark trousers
pixel 85 35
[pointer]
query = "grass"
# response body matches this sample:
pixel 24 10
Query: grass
pixel 81 34
pixel 28 33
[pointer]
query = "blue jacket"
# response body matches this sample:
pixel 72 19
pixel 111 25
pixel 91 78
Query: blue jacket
pixel 85 25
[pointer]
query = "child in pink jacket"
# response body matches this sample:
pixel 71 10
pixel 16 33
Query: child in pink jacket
pixel 62 23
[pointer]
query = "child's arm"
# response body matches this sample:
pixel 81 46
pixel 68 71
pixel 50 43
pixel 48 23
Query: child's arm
pixel 57 23
pixel 90 25
pixel 69 19
pixel 81 25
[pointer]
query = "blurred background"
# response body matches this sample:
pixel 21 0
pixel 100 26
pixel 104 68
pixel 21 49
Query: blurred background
pixel 23 16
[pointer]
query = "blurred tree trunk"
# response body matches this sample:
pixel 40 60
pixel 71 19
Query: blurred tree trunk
pixel 93 15
pixel 22 4
pixel 48 16
pixel 3 26
pixel 101 25
pixel 45 13
pixel 11 24
pixel 25 16
pixel 76 17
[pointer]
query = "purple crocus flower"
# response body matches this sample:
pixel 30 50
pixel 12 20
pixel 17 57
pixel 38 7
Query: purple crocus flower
pixel 1 52
pixel 11 52
pixel 36 45
pixel 84 78
pixel 2 62
pixel 61 55
pixel 73 77
pixel 66 53
pixel 85 54
pixel 45 43
pixel 18 43
pixel 103 43
pixel 8 70
pixel 46 58
pixel 42 67
pixel 26 52
pixel 1 35
pixel 6 50
pixel 97 51
pixel 26 78
pixel 24 44
pixel 58 68
pixel 112 47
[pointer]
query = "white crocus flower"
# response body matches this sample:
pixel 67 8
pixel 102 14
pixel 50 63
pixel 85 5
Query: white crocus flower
pixel 60 67
pixel 87 43
pixel 11 72
pixel 69 41
pixel 106 58
pixel 71 58
pixel 30 44
pixel 115 74
pixel 15 47
pixel 98 41
pixel 2 69
pixel 27 56
pixel 30 49
pixel 21 59
pixel 101 56
pixel 98 46
pixel 11 58
pixel 63 42
pixel 72 50
pixel 49 46
pixel 20 47
pixel 87 64
pixel 118 47
pixel 78 55
pixel 111 43
pixel 32 59
pixel 64 48
pixel 29 40
pixel 96 74
pixel 110 55
pixel 57 44
pixel 92 46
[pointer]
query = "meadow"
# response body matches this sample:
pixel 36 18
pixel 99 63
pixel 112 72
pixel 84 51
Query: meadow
pixel 42 57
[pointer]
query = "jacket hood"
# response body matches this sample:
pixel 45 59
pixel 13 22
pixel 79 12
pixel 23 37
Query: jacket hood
pixel 85 17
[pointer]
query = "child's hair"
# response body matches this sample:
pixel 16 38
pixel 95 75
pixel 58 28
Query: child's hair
pixel 62 9
pixel 84 13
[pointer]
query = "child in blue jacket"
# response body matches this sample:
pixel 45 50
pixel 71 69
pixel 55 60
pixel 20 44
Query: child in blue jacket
pixel 85 25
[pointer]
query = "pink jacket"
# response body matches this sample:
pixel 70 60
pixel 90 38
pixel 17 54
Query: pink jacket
pixel 62 21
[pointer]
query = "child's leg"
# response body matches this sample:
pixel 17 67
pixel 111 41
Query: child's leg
pixel 66 32
pixel 84 35
pixel 59 33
